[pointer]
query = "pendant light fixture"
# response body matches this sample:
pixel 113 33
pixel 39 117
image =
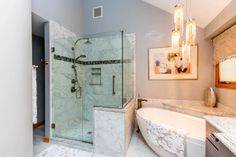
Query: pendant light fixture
pixel 179 17
pixel 186 54
pixel 179 26
pixel 190 34
pixel 175 40
pixel 191 31
pixel 190 27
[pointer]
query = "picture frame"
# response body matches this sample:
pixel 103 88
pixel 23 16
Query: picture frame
pixel 161 67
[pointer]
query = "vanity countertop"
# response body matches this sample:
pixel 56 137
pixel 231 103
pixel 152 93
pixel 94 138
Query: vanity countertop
pixel 227 128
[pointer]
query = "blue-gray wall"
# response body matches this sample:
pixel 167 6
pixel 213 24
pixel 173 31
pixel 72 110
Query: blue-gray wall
pixel 37 55
pixel 65 12
pixel 153 29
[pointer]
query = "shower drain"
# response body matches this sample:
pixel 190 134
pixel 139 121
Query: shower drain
pixel 90 132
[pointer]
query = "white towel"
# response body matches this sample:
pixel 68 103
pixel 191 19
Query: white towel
pixel 34 94
pixel 168 138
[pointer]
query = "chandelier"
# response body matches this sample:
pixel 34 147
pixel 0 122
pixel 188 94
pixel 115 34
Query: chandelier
pixel 182 56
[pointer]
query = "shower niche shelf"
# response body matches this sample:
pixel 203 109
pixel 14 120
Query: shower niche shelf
pixel 96 77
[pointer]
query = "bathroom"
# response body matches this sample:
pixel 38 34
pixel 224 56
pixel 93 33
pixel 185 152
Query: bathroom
pixel 100 83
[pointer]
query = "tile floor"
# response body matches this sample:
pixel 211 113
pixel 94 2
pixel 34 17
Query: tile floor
pixel 137 148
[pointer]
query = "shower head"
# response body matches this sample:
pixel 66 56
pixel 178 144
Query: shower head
pixel 86 42
pixel 81 56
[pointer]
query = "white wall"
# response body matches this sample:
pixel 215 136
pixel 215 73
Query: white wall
pixel 65 12
pixel 15 67
pixel 224 20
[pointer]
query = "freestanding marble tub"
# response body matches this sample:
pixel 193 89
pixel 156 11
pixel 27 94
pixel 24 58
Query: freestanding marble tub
pixel 193 126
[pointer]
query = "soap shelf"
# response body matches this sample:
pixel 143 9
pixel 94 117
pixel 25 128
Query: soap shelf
pixel 96 77
pixel 95 84
pixel 95 73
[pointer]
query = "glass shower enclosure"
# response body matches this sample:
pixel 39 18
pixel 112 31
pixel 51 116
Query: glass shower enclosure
pixel 87 72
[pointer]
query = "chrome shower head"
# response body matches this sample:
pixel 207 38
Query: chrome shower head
pixel 88 41
pixel 81 56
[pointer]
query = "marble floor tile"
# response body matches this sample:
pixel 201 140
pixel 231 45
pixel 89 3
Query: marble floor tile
pixel 137 148
pixel 62 151
pixel 98 155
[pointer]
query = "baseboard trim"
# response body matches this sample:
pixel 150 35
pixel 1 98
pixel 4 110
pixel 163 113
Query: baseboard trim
pixel 38 124
pixel 46 139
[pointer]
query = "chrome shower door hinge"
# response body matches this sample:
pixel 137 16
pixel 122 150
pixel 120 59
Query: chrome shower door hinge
pixel 53 125
pixel 52 49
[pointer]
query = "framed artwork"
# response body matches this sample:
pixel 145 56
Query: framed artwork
pixel 165 65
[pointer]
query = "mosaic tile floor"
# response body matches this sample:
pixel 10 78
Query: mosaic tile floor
pixel 137 148
pixel 62 151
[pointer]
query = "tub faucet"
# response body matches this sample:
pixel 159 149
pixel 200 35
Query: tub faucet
pixel 140 105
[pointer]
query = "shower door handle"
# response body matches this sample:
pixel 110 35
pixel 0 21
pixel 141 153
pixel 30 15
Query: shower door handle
pixel 113 85
pixel 44 61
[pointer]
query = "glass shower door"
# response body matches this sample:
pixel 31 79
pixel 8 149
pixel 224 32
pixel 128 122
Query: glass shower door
pixel 102 86
pixel 67 120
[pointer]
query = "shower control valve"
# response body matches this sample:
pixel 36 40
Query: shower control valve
pixel 73 89
pixel 73 66
pixel 73 81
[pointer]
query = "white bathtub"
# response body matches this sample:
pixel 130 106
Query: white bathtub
pixel 195 128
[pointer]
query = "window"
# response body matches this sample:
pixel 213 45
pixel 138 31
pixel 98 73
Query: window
pixel 226 74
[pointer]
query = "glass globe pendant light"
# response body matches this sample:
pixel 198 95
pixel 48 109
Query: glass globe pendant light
pixel 175 40
pixel 191 31
pixel 179 18
pixel 190 34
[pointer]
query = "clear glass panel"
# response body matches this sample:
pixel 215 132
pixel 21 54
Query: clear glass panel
pixel 102 81
pixel 67 108
pixel 103 70
pixel 128 67
pixel 96 62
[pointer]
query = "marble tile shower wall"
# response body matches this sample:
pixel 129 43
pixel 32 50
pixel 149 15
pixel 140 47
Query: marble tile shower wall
pixel 103 48
pixel 63 101
pixel 101 95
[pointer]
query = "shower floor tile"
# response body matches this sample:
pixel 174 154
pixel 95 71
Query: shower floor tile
pixel 76 130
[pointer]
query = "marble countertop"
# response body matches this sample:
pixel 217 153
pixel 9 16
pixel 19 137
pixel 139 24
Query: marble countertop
pixel 194 108
pixel 227 128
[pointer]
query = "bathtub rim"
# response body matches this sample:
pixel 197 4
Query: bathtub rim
pixel 189 137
